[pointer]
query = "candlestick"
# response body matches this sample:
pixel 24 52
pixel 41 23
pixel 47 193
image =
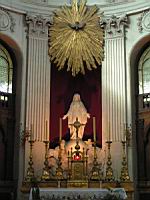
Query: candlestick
pixel 94 129
pixel 46 173
pixel 30 169
pixel 59 169
pixel 60 129
pixel 124 169
pixel 96 171
pixel 109 169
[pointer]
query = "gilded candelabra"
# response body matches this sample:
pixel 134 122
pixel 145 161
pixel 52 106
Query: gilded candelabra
pixel 96 172
pixel 109 170
pixel 124 170
pixel 46 171
pixel 59 169
pixel 30 170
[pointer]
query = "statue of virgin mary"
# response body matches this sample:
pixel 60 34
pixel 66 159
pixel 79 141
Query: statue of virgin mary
pixel 78 111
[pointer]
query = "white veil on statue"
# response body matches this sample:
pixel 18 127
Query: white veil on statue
pixel 77 110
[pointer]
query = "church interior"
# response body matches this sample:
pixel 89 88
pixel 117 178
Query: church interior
pixel 74 99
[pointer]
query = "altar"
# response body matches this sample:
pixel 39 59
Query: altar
pixel 77 193
pixel 77 169
pixel 77 173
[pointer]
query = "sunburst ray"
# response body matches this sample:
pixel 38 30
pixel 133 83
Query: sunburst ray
pixel 76 38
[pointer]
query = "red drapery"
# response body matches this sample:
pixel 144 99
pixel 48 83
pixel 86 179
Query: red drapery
pixel 63 87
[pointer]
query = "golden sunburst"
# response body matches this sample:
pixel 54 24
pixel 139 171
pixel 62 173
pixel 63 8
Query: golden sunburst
pixel 76 38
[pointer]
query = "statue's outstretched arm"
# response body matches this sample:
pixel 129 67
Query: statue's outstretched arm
pixel 88 115
pixel 65 116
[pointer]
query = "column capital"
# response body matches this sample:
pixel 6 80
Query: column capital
pixel 38 25
pixel 114 25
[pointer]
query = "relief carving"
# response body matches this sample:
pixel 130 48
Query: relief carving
pixel 6 21
pixel 144 21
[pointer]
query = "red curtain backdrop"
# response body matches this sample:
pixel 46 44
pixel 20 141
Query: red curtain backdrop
pixel 63 87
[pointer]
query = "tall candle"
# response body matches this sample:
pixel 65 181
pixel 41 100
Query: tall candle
pixel 31 132
pixel 125 131
pixel 46 132
pixel 109 131
pixel 60 129
pixel 94 129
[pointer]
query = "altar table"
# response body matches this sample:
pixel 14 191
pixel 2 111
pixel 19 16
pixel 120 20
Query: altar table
pixel 77 193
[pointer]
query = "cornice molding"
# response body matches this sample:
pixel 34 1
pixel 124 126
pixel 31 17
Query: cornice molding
pixel 47 8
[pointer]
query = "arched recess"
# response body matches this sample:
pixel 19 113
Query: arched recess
pixel 10 115
pixel 139 116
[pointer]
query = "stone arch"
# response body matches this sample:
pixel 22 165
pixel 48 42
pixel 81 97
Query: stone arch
pixel 137 118
pixel 13 142
pixel 135 55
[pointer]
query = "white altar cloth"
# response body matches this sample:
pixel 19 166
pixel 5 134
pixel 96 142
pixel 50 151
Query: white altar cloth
pixel 77 193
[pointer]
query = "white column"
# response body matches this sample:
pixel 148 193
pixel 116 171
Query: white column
pixel 38 77
pixel 114 79
pixel 114 91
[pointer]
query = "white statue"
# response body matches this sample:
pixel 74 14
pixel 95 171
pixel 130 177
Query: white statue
pixel 77 110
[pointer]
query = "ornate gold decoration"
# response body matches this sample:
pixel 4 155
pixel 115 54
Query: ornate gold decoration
pixel 30 170
pixel 124 170
pixel 96 172
pixel 76 38
pixel 59 169
pixel 109 170
pixel 46 171
pixel 77 163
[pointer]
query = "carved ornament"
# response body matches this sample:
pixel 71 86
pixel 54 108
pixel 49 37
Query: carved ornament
pixel 114 23
pixel 6 21
pixel 38 25
pixel 144 21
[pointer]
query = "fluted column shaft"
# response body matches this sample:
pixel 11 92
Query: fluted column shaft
pixel 114 79
pixel 38 77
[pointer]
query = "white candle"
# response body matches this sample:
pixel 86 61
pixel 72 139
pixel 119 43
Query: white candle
pixel 46 132
pixel 125 130
pixel 109 131
pixel 94 129
pixel 60 129
pixel 31 133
